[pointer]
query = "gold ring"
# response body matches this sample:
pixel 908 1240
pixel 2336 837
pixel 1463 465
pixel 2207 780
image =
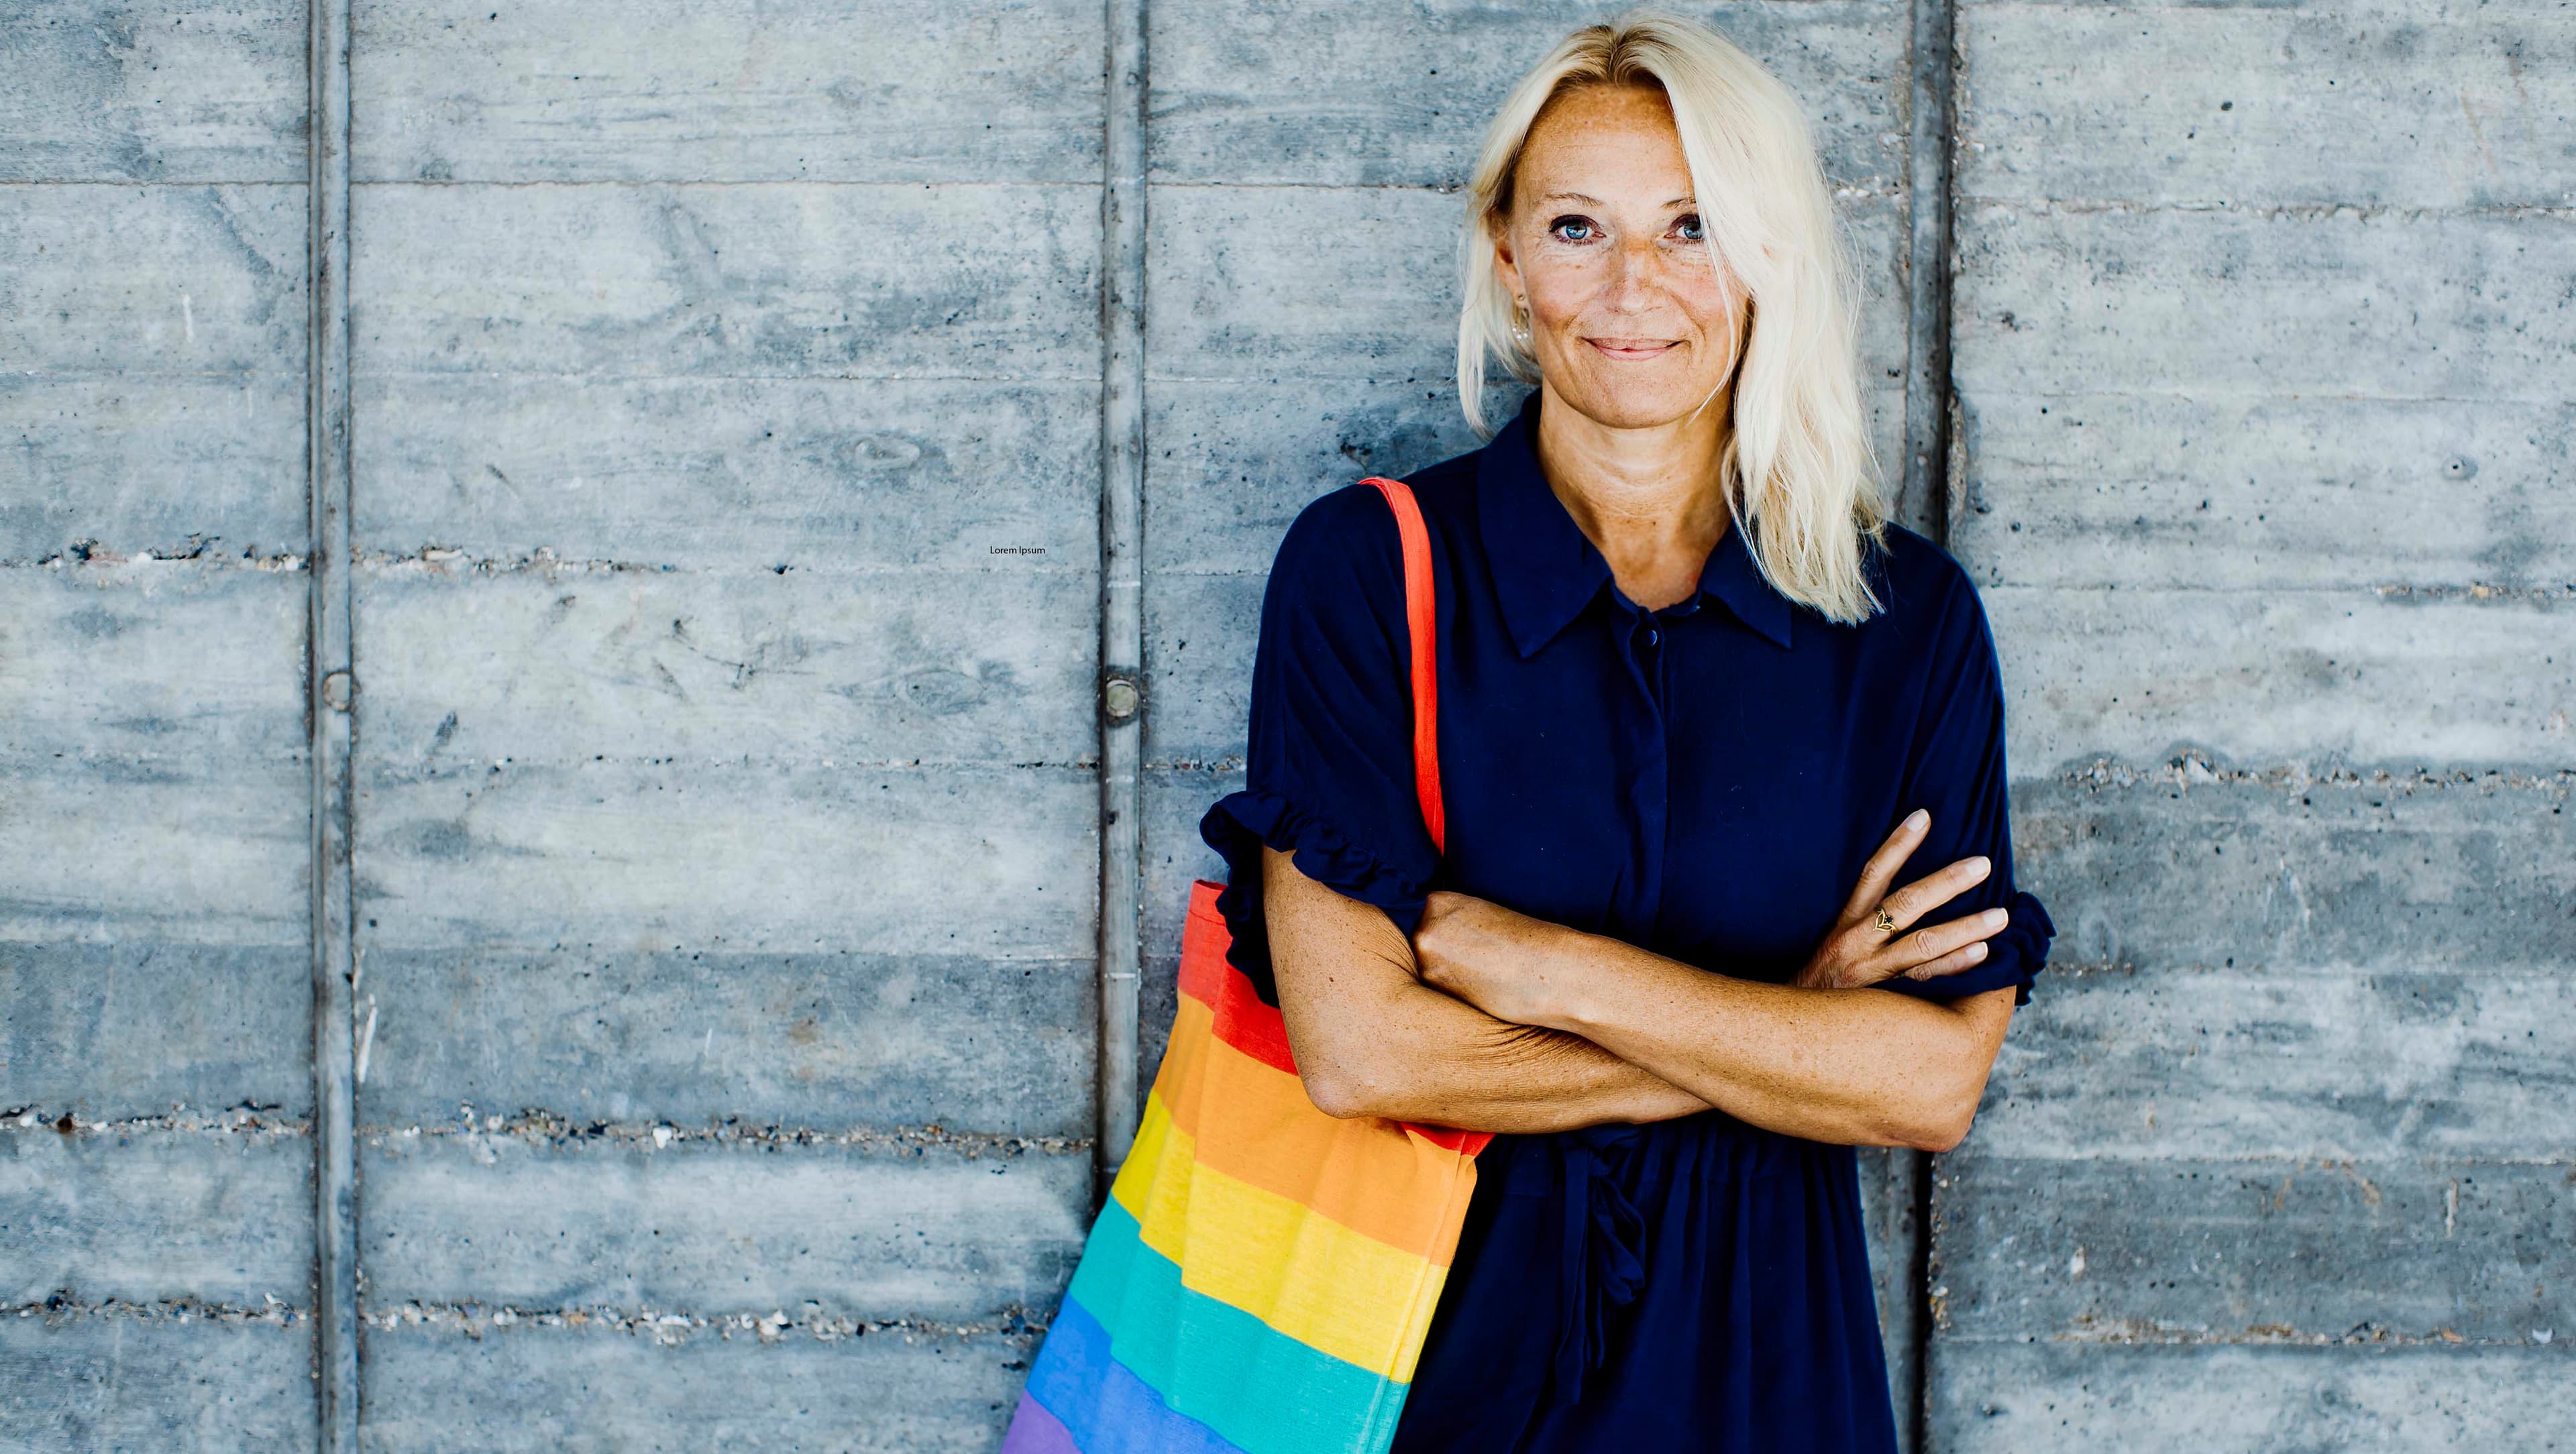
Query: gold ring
pixel 1886 924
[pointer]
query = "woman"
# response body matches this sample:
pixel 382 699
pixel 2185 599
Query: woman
pixel 1700 705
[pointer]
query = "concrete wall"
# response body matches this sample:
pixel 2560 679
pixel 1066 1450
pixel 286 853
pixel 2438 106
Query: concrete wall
pixel 2263 354
pixel 728 824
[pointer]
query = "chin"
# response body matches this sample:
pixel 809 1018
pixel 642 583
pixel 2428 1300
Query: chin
pixel 1633 403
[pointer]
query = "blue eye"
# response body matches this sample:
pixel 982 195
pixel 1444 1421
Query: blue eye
pixel 1690 228
pixel 1572 229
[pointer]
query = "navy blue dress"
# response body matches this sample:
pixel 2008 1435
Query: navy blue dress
pixel 1704 781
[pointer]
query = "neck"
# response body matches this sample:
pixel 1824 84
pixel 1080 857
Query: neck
pixel 1649 499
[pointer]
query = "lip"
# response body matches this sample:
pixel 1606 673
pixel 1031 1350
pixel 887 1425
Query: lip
pixel 1632 349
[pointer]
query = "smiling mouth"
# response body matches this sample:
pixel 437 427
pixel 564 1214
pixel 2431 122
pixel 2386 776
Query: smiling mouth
pixel 1634 348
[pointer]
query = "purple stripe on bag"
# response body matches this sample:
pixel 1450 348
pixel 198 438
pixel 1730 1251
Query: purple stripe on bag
pixel 1035 1431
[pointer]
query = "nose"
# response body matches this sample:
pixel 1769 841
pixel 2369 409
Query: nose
pixel 1635 268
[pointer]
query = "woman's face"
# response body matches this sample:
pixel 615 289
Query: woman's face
pixel 1632 323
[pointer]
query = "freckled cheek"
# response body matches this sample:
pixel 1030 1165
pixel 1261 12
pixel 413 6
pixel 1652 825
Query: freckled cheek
pixel 1559 295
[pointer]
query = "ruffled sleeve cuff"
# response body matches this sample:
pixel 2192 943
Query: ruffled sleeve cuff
pixel 1242 823
pixel 2013 957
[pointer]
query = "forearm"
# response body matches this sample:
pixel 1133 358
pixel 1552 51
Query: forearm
pixel 1441 1061
pixel 1851 1066
pixel 1372 1039
pixel 1856 1066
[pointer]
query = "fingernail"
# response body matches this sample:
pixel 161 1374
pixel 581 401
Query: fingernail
pixel 1917 818
pixel 1983 865
pixel 1977 951
pixel 1994 918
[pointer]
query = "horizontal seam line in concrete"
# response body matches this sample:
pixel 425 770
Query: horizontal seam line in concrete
pixel 32 1118
pixel 384 772
pixel 547 1128
pixel 150 375
pixel 432 563
pixel 2476 595
pixel 2377 589
pixel 1443 389
pixel 126 920
pixel 1958 1165
pixel 297 184
pixel 425 565
pixel 475 1318
pixel 1974 392
pixel 1874 186
pixel 492 947
pixel 848 956
pixel 2487 972
pixel 266 565
pixel 2539 784
pixel 2158 1336
pixel 276 1314
pixel 2193 391
pixel 432 184
pixel 2320 211
pixel 363 375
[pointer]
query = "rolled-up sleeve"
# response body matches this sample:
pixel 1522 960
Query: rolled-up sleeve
pixel 1958 776
pixel 1328 774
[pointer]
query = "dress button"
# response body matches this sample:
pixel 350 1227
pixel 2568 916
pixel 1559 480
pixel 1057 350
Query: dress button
pixel 1653 637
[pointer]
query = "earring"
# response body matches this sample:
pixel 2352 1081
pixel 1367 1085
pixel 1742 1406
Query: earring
pixel 1520 323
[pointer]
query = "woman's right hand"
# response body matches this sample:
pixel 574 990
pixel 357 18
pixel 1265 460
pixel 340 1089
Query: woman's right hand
pixel 1858 953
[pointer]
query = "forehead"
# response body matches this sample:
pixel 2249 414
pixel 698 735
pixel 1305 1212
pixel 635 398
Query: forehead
pixel 1593 138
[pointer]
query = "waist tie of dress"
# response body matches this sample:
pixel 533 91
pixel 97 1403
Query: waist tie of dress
pixel 1604 1249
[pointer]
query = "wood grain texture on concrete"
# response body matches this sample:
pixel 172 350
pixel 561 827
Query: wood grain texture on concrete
pixel 678 1381
pixel 161 1376
pixel 888 91
pixel 217 1212
pixel 2184 1397
pixel 783 1043
pixel 153 90
pixel 873 1228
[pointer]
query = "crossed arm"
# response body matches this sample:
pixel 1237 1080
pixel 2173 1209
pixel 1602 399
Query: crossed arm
pixel 1491 1020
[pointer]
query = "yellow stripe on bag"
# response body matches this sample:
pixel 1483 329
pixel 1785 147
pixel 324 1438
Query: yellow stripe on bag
pixel 1333 1289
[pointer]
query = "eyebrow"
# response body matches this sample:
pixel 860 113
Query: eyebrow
pixel 1595 201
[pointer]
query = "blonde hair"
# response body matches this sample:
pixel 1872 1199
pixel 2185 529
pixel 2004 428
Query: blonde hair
pixel 1797 467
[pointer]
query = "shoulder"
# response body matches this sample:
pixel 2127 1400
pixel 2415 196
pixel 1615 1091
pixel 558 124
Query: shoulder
pixel 1341 540
pixel 1926 598
pixel 1449 486
pixel 1346 538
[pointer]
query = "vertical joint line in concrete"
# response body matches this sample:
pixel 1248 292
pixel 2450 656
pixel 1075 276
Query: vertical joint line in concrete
pixel 329 706
pixel 1122 628
pixel 1935 480
pixel 1916 1430
pixel 1930 491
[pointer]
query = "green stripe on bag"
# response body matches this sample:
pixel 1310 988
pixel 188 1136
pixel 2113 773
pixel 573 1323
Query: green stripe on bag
pixel 1262 1391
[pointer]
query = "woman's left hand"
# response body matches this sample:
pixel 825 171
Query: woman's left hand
pixel 1494 958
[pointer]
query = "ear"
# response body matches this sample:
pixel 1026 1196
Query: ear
pixel 1506 267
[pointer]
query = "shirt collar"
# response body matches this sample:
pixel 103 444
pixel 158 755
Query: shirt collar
pixel 1547 571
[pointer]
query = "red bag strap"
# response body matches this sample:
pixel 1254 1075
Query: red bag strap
pixel 1422 627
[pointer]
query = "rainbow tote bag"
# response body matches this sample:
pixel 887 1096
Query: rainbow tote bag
pixel 1262 1275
